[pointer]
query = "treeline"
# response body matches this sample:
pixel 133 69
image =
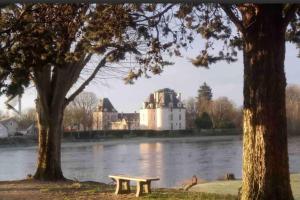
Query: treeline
pixel 78 114
pixel 204 112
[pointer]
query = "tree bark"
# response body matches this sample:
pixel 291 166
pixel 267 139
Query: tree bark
pixel 49 150
pixel 265 153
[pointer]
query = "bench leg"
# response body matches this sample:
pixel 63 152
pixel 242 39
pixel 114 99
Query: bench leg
pixel 143 187
pixel 119 186
pixel 126 184
pixel 147 187
pixel 139 188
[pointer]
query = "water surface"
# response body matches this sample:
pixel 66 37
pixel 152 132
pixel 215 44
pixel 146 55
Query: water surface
pixel 173 160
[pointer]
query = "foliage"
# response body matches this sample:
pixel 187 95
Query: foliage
pixel 204 99
pixel 36 37
pixel 205 93
pixel 204 121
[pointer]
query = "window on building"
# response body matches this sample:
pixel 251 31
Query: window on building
pixel 179 125
pixel 171 126
pixel 171 117
pixel 179 116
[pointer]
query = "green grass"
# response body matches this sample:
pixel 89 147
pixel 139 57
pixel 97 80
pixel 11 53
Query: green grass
pixel 169 194
pixel 231 187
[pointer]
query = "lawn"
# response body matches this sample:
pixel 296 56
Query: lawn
pixel 35 190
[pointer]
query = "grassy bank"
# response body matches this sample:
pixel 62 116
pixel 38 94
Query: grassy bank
pixel 112 135
pixel 71 190
pixel 231 187
pixel 18 141
pixel 34 190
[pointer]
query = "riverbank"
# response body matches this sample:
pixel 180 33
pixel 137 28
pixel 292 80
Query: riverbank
pixel 67 190
pixel 231 187
pixel 118 135
pixel 18 141
pixel 36 190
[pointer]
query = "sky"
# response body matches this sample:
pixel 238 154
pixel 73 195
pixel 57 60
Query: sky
pixel 224 79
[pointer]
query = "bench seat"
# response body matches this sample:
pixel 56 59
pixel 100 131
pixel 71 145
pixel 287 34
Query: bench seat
pixel 123 183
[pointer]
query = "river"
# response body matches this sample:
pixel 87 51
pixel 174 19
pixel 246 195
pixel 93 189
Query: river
pixel 171 159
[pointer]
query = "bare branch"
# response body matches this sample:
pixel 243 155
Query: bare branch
pixel 89 79
pixel 233 17
pixel 159 15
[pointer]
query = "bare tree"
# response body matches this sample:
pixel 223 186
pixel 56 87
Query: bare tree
pixel 223 113
pixel 27 118
pixel 293 107
pixel 191 112
pixel 80 110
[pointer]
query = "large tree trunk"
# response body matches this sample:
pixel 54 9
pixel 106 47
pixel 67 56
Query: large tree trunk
pixel 49 150
pixel 265 152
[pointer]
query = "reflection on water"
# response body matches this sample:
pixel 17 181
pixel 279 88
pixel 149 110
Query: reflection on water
pixel 173 160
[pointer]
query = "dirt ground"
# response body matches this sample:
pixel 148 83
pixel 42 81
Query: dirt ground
pixel 71 190
pixel 36 190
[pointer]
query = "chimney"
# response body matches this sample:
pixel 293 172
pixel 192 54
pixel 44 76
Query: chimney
pixel 179 96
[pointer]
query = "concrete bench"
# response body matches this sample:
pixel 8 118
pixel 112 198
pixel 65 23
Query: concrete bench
pixel 143 184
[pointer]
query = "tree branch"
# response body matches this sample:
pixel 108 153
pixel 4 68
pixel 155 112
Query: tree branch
pixel 233 17
pixel 290 13
pixel 89 79
pixel 160 14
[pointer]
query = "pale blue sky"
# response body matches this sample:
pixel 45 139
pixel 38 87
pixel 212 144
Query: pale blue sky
pixel 224 79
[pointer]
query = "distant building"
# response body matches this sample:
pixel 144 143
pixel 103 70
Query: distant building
pixel 3 131
pixel 106 117
pixel 126 121
pixel 163 110
pixel 11 125
pixel 74 127
pixel 32 130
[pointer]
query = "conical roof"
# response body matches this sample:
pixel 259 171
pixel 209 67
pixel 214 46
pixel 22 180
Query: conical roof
pixel 106 106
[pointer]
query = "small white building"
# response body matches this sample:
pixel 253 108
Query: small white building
pixel 11 125
pixel 126 121
pixel 3 131
pixel 163 111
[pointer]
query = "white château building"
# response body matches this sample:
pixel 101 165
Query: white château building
pixel 163 110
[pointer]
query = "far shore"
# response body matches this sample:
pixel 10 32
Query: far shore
pixel 25 141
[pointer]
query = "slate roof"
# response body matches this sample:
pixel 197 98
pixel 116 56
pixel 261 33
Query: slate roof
pixel 163 98
pixel 106 106
pixel 129 116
